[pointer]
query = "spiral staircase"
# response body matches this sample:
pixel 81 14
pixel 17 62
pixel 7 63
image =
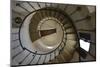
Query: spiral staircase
pixel 48 33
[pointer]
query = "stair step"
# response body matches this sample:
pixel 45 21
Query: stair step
pixel 27 6
pixel 54 5
pixel 56 52
pixel 70 46
pixel 41 59
pixel 14 37
pixel 16 51
pixel 62 7
pixel 27 60
pixel 75 57
pixel 22 7
pixel 52 13
pixel 70 31
pixel 35 5
pixel 15 44
pixel 71 37
pixel 60 58
pixel 53 61
pixel 14 30
pixel 80 14
pixel 52 56
pixel 36 59
pixel 18 9
pixel 67 56
pixel 47 58
pixel 39 15
pixel 42 5
pixel 70 9
pixel 66 23
pixel 20 57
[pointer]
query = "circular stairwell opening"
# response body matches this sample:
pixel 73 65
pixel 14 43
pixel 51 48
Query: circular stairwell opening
pixel 44 34
pixel 46 31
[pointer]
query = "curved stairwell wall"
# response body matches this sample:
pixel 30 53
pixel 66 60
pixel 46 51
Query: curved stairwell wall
pixel 46 33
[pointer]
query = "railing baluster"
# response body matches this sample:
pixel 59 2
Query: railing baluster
pixel 50 56
pixel 44 59
pixel 45 13
pixel 42 13
pixel 55 53
pixel 24 58
pixel 31 5
pixel 22 7
pixel 59 16
pixel 17 12
pixel 46 5
pixel 63 45
pixel 57 6
pixel 40 16
pixel 50 4
pixel 17 54
pixel 59 49
pixel 85 18
pixel 65 8
pixel 39 5
pixel 55 13
pixel 32 58
pixel 65 38
pixel 38 59
pixel 48 14
pixel 52 13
